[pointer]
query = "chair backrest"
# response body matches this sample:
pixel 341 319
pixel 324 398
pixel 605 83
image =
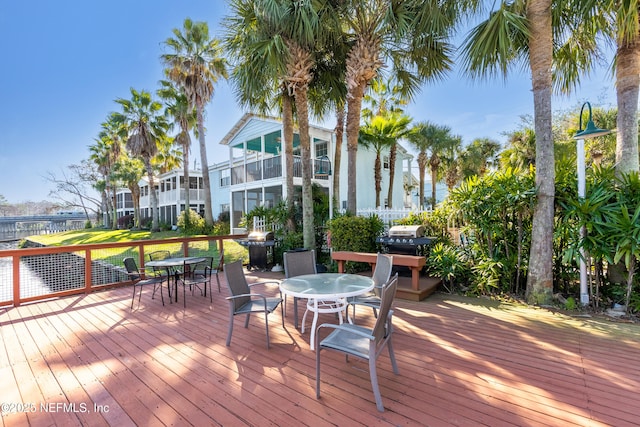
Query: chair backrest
pixel 159 255
pixel 382 272
pixel 132 268
pixel 380 330
pixel 297 263
pixel 237 283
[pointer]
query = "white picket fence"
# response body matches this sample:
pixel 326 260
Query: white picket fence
pixel 388 217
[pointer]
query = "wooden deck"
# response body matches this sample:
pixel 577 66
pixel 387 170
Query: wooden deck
pixel 90 360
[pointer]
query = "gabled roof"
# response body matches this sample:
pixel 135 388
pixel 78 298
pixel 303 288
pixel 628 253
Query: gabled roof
pixel 242 123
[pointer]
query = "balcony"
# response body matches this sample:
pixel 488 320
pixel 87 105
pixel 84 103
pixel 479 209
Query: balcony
pixel 88 359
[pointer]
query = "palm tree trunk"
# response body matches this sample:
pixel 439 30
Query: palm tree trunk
pixel 627 86
pixel 208 212
pixel 287 137
pixel 422 170
pixel 354 107
pixel 308 233
pixel 153 196
pixel 434 163
pixel 392 172
pixel 185 165
pixel 540 279
pixel 377 178
pixel 337 159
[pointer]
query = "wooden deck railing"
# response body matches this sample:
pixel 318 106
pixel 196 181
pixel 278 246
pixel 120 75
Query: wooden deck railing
pixel 33 274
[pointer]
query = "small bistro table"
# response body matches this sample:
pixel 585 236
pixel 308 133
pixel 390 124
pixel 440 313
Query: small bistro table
pixel 169 263
pixel 326 293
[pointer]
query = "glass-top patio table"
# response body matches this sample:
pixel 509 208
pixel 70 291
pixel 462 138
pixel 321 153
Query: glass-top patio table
pixel 326 293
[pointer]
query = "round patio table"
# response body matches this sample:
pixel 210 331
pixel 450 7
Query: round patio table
pixel 326 293
pixel 169 263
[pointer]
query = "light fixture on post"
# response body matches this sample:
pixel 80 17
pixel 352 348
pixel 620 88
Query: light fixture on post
pixel 590 131
pixel 323 172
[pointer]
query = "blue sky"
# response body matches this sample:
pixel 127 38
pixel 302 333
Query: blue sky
pixel 66 61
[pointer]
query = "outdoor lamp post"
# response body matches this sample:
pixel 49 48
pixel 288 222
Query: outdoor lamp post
pixel 590 131
pixel 322 173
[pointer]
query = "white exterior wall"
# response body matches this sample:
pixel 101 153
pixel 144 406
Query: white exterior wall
pixel 250 127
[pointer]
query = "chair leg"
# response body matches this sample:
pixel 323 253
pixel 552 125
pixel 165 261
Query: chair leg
pixel 218 280
pixel 266 324
pixel 133 297
pixel 230 331
pixel 374 382
pixel 392 356
pixel 318 372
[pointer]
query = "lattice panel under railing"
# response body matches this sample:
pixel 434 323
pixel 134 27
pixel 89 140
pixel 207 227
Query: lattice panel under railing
pixel 6 279
pixel 107 265
pixel 45 274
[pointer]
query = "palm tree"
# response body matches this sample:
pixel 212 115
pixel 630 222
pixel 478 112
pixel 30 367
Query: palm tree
pixel 182 114
pixel 479 156
pixel 169 156
pixel 145 125
pixel 521 31
pixel 195 65
pixel 379 133
pixel 105 153
pixel 383 97
pixel 619 22
pixel 129 171
pixel 433 142
pixel 286 36
pixel 410 36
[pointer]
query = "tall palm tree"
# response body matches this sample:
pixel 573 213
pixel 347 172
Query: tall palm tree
pixel 257 75
pixel 182 115
pixel 552 37
pixel 285 37
pixel 129 171
pixel 619 22
pixel 146 126
pixel 385 96
pixel 380 133
pixel 195 64
pixel 433 142
pixel 105 153
pixel 410 36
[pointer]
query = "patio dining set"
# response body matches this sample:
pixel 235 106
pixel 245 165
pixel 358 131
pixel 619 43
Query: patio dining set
pixel 333 293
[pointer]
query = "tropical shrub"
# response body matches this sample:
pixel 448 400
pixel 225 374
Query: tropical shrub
pixel 190 223
pixel 356 234
pixel 450 264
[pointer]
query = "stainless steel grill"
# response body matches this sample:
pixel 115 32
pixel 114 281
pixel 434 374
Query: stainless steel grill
pixel 260 245
pixel 405 239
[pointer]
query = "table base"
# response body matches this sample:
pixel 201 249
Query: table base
pixel 321 306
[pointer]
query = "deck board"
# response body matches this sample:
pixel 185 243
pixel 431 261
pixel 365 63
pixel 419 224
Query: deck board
pixel 462 362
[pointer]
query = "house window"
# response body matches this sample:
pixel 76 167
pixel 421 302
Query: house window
pixel 385 162
pixel 225 177
pixel 322 148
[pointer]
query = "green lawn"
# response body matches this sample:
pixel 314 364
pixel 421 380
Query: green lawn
pixel 232 250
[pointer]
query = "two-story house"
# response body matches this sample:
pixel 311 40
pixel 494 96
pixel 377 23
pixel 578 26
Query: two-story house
pixel 255 174
pixel 171 196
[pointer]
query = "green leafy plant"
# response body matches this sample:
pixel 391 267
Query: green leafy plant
pixel 448 263
pixel 190 223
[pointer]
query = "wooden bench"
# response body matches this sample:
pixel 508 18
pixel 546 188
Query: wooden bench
pixel 414 262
